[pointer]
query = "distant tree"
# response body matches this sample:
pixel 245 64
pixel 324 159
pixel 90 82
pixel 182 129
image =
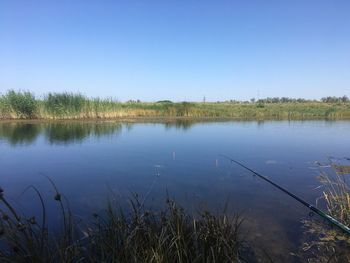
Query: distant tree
pixel 334 99
pixel 345 99
pixel 165 101
pixel 260 103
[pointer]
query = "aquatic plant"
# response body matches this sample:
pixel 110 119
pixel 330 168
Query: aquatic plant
pixel 325 243
pixel 337 193
pixel 118 235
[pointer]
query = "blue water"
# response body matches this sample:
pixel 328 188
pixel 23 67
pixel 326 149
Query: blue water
pixel 93 161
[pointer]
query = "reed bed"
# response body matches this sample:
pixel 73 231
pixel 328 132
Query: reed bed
pixel 23 105
pixel 118 235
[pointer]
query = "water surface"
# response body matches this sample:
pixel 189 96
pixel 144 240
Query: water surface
pixel 91 161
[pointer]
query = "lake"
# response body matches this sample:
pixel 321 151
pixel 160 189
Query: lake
pixel 91 162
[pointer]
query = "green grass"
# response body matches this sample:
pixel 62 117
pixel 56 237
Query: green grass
pixel 23 105
pixel 327 244
pixel 18 105
pixel 120 235
pixel 64 104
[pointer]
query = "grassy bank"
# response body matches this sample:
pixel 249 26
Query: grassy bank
pixel 24 105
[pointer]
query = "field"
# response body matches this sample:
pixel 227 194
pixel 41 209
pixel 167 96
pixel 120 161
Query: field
pixel 24 105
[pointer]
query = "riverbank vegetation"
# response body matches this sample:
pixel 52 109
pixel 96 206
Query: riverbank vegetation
pixel 24 105
pixel 120 235
pixel 167 234
pixel 325 243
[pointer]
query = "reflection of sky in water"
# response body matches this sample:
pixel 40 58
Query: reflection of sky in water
pixel 89 161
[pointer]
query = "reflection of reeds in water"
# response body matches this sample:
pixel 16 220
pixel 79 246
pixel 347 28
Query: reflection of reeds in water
pixel 180 124
pixel 22 133
pixel 117 235
pixel 56 133
pixel 330 245
pixel 75 132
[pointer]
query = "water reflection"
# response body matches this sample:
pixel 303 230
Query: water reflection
pixel 56 133
pixel 181 158
pixel 19 133
pixel 24 133
pixel 180 124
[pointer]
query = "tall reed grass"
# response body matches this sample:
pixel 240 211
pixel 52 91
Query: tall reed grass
pixel 18 105
pixel 118 235
pixel 329 244
pixel 23 105
pixel 64 104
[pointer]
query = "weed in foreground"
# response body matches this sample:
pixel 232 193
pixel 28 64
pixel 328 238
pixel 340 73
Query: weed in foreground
pixel 118 235
pixel 327 244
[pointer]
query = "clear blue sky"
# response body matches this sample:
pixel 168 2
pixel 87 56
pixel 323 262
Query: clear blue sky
pixel 177 50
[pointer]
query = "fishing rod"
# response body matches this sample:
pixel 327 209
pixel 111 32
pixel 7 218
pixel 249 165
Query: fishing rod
pixel 329 218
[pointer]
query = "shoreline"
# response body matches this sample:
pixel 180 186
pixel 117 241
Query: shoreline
pixel 162 119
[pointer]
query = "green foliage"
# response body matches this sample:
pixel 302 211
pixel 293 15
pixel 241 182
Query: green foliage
pixel 260 104
pixel 165 101
pixel 330 99
pixel 122 235
pixel 184 109
pixel 22 103
pixel 64 103
pixel 76 106
pixel 4 107
pixel 325 243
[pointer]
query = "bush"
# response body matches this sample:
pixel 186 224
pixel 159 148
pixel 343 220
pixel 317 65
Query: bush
pixel 260 104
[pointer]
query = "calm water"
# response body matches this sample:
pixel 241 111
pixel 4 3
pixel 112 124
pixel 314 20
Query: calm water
pixel 92 161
